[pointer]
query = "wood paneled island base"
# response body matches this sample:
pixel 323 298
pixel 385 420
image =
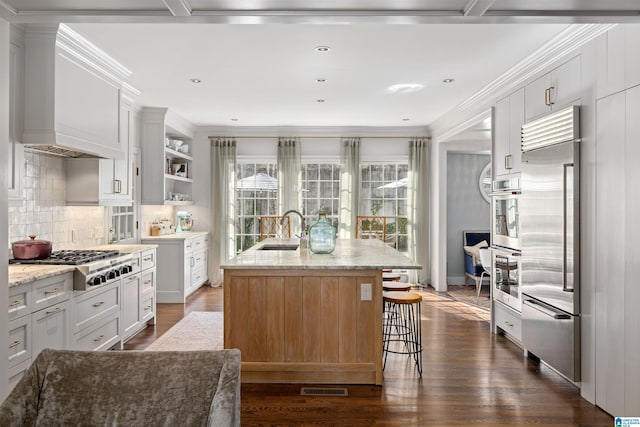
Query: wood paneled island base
pixel 305 326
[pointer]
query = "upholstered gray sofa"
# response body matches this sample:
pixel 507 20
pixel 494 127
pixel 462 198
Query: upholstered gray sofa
pixel 127 388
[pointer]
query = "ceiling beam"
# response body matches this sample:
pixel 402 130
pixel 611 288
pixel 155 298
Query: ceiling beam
pixel 178 7
pixel 477 7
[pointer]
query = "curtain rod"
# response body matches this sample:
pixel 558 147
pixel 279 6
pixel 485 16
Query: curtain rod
pixel 312 136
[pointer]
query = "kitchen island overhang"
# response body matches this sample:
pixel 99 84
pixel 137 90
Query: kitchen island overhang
pixel 299 317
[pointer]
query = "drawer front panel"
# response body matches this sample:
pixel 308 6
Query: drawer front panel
pixel 148 259
pixel 96 305
pixel 100 337
pixel 19 340
pixel 508 322
pixel 52 290
pixel 17 372
pixel 19 301
pixel 148 281
pixel 51 328
pixel 148 307
pixel 136 263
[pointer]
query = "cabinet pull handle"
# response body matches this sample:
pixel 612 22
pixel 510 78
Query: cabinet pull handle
pixel 193 261
pixel 147 308
pixel 147 258
pixel 507 323
pixel 117 186
pixel 133 278
pixel 54 291
pixel 55 310
pixel 551 89
pixel 98 339
pixel 15 303
pixel 98 304
pixel 507 161
pixel 146 282
pixel 14 344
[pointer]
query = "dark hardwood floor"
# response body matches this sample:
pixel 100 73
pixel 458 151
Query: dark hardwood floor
pixel 471 377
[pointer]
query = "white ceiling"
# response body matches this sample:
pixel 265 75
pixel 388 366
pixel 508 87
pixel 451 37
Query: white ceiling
pixel 264 75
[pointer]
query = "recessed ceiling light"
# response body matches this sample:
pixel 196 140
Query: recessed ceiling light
pixel 319 100
pixel 323 49
pixel 195 81
pixel 447 81
pixel 405 88
pixel 321 80
pixel 405 120
pixel 234 120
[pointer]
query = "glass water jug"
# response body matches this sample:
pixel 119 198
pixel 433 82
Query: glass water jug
pixel 322 236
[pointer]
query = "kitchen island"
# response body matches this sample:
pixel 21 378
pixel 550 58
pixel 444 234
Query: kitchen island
pixel 300 317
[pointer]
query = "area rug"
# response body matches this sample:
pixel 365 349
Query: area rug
pixel 199 330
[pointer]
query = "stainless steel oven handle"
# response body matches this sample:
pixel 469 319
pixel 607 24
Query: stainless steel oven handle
pixel 556 314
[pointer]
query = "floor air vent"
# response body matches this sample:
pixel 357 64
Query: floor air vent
pixel 323 391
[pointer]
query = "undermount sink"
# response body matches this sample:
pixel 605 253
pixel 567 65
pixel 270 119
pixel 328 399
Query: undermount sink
pixel 279 247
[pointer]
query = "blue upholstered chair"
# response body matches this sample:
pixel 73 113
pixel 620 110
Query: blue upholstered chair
pixel 472 265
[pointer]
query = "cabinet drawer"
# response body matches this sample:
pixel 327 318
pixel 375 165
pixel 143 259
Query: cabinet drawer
pixel 148 259
pixel 136 263
pixel 19 340
pixel 148 307
pixel 94 305
pixel 52 290
pixel 148 281
pixel 198 276
pixel 509 321
pixel 101 336
pixel 51 327
pixel 199 243
pixel 19 301
pixel 17 372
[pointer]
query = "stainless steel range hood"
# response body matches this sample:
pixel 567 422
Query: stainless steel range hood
pixel 72 95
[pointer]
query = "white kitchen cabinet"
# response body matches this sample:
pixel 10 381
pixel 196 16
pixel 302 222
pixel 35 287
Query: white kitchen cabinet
pixel 15 158
pixel 508 321
pixel 506 151
pixel 554 90
pixel 50 328
pixel 138 297
pixel 616 317
pixel 181 265
pixel 618 63
pixel 104 182
pixel 39 317
pixel 94 306
pixel 131 316
pixel 73 94
pixel 162 184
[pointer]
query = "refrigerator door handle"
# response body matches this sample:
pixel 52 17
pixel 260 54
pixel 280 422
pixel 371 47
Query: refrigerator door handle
pixel 543 308
pixel 565 207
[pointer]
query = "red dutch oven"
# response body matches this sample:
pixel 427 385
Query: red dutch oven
pixel 31 249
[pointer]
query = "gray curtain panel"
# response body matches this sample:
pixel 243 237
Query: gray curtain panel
pixel 290 179
pixel 349 186
pixel 223 204
pixel 418 206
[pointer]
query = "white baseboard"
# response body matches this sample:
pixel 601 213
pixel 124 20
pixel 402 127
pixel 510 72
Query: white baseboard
pixel 456 280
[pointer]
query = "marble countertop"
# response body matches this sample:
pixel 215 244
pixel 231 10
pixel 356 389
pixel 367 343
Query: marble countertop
pixel 176 236
pixel 125 249
pixel 24 273
pixel 350 254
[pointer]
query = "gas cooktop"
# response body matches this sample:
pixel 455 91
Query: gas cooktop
pixel 70 257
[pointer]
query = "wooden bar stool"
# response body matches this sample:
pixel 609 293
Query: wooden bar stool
pixel 402 315
pixel 396 286
pixel 389 276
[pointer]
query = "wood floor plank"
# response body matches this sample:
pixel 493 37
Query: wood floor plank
pixel 471 377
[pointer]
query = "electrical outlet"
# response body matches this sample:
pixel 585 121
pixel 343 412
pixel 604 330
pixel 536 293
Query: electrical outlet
pixel 365 292
pixel 98 232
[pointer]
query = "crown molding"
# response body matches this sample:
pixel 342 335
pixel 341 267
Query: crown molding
pixel 567 41
pixel 316 131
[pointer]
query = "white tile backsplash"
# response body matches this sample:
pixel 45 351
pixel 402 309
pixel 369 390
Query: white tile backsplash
pixel 44 211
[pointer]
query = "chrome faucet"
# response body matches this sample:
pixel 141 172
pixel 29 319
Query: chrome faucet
pixel 302 224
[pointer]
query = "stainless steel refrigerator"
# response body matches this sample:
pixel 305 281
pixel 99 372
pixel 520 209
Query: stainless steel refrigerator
pixel 549 225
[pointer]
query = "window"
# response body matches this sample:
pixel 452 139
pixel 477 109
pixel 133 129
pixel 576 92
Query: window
pixel 256 195
pixel 321 191
pixel 383 192
pixel 122 223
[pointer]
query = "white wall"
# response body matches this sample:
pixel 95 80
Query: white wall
pixel 466 208
pixel 4 198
